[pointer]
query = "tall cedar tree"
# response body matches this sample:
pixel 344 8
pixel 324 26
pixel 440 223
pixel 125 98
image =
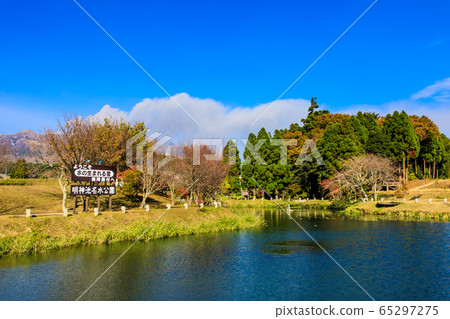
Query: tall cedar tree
pixel 232 160
pixel 403 140
pixel 249 168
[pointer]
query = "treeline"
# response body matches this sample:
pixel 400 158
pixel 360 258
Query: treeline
pixel 413 143
pixel 107 142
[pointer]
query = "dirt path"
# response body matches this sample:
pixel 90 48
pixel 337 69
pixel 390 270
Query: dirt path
pixel 419 187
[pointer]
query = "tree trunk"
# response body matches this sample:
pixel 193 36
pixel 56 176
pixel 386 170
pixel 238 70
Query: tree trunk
pixel 424 168
pixel 144 199
pixel 434 169
pixel 254 193
pixel 404 169
pixel 63 185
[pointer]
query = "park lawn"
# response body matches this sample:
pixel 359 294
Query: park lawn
pixel 44 196
pixel 41 196
pixel 19 235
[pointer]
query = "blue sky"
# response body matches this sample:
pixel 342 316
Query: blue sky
pixel 237 54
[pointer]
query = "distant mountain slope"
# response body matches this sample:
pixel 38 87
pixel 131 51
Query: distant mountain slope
pixel 22 144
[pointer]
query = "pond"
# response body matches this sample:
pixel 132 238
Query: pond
pixel 391 259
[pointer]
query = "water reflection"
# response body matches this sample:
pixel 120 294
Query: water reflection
pixel 392 259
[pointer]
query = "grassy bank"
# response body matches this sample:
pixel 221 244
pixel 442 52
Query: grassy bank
pixel 258 203
pixel 42 234
pixel 436 209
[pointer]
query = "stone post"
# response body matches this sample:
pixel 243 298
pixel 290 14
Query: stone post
pixel 147 208
pixel 124 209
pixel 95 211
pixel 28 212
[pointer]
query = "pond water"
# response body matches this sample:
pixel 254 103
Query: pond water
pixel 391 259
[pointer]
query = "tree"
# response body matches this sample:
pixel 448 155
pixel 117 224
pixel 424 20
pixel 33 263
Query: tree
pixel 20 169
pixel 172 176
pixel 152 179
pixel 361 175
pixel 76 140
pixel 249 167
pixel 202 174
pixel 404 142
pixel 376 141
pixel 232 160
pixel 5 152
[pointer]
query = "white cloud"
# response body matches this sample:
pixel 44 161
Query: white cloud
pixel 432 101
pixel 439 91
pixel 216 119
pixel 221 121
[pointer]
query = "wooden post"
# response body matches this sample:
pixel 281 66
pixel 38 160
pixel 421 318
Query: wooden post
pixel 110 202
pixel 74 204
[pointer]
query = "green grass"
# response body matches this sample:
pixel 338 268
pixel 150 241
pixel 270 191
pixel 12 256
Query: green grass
pixel 43 234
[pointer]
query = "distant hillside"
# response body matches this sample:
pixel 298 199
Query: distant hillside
pixel 22 144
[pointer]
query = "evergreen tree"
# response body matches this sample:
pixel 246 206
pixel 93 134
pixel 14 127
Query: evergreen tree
pixel 339 142
pixel 404 142
pixel 232 160
pixel 20 169
pixel 376 141
pixel 249 167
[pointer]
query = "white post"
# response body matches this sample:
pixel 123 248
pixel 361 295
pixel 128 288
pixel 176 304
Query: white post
pixel 322 198
pixel 28 212
pixel 371 199
pixel 429 201
pixel 124 209
pixel 65 212
pixel 382 199
pixel 169 206
pixel 445 200
pixel 95 211
pixel 201 205
pixel 404 200
pixel 186 206
pixel 416 200
pixel 147 208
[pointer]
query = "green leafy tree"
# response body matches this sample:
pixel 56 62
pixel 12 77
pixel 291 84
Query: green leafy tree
pixel 232 160
pixel 249 167
pixel 403 140
pixel 376 141
pixel 20 169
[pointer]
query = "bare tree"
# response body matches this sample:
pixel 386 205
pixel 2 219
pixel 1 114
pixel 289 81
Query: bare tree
pixel 5 153
pixel 68 145
pixel 361 175
pixel 206 176
pixel 152 179
pixel 173 177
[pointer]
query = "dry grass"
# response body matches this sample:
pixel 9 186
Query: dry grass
pixel 44 196
pixel 41 195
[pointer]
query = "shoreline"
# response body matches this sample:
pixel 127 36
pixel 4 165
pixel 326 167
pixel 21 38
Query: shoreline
pixel 40 235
